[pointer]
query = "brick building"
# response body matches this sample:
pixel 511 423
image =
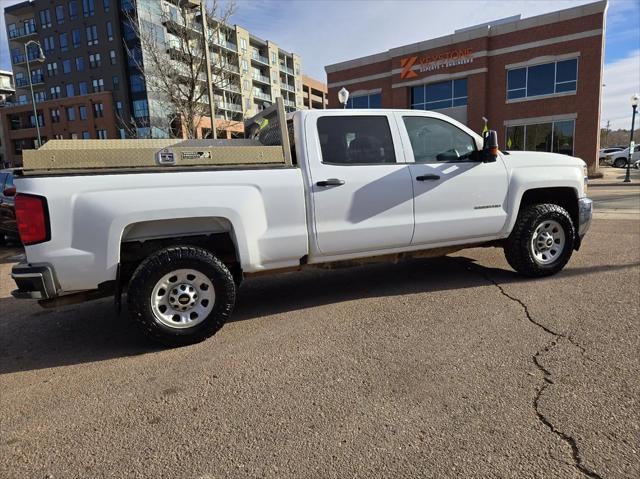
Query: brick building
pixel 537 80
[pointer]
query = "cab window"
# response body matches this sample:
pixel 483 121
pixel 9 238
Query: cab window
pixel 356 140
pixel 435 140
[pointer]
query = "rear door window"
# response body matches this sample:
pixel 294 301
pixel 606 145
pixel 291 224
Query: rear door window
pixel 356 140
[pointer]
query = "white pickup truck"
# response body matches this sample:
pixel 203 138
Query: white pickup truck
pixel 362 185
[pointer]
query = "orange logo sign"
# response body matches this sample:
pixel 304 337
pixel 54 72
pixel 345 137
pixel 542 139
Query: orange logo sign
pixel 407 65
pixel 429 63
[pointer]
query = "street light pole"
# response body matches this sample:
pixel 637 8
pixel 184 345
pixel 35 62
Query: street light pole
pixel 635 99
pixel 33 97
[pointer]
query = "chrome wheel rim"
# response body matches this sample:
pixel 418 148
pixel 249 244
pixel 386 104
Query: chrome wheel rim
pixel 548 242
pixel 182 298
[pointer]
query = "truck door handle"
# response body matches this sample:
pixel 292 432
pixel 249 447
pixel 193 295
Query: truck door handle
pixel 427 177
pixel 330 182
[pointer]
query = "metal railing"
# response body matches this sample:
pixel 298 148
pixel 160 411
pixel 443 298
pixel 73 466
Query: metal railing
pixel 25 31
pixel 261 78
pixel 286 86
pixel 260 58
pixel 261 95
pixel 286 69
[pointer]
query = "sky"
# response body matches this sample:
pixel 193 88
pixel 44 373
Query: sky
pixel 323 32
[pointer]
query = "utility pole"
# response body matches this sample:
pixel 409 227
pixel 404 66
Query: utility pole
pixel 606 133
pixel 207 59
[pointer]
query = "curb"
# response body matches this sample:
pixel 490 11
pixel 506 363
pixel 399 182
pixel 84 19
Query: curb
pixel 620 183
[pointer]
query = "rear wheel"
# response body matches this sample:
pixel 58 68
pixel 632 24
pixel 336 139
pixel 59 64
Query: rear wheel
pixel 181 295
pixel 620 162
pixel 541 242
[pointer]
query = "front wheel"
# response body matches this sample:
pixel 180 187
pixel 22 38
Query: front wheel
pixel 181 295
pixel 541 242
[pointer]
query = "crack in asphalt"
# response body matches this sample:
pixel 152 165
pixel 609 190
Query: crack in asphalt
pixel 578 462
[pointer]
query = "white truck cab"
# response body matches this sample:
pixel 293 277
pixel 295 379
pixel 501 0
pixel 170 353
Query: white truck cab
pixel 361 185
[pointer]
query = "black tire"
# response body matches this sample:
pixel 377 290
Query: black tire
pixel 519 249
pixel 3 240
pixel 162 263
pixel 620 163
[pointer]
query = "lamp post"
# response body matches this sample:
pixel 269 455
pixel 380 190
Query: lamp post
pixel 635 99
pixel 343 96
pixel 40 58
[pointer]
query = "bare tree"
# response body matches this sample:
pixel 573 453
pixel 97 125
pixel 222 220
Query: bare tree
pixel 169 56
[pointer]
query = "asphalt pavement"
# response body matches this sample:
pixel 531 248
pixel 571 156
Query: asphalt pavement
pixel 450 367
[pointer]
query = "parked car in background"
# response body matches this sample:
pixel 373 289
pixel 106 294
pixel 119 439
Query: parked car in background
pixel 8 226
pixel 606 151
pixel 619 159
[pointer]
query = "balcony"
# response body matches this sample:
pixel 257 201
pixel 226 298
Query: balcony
pixel 261 78
pixel 286 69
pixel 262 95
pixel 226 44
pixel 289 103
pixel 223 105
pixel 228 87
pixel 287 87
pixel 259 58
pixel 22 32
pixel 24 82
pixel 20 58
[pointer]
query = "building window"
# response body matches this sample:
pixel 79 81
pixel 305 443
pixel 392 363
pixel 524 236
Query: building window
pixel 83 112
pixel 64 44
pixel 115 81
pixel 60 14
pixel 140 109
pixel 52 69
pixel 437 96
pixel 119 106
pixel 123 134
pixel 73 136
pixel 98 85
pixel 58 136
pixel 245 66
pixel 109 32
pixel 86 135
pixel 45 18
pixel 55 92
pixel 76 37
pixel 98 110
pixel 66 66
pixel 556 137
pixel 40 96
pixel 112 57
pixel 82 88
pixel 243 45
pixel 88 8
pixel 49 44
pixel 137 83
pixel 373 100
pixel 355 140
pixel 94 60
pixel 70 90
pixel 71 114
pixel 102 134
pixel 80 64
pixel 55 115
pixel 545 79
pixel 73 9
pixel 106 5
pixel 92 35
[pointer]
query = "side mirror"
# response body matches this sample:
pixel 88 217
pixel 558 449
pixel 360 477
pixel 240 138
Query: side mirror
pixel 9 191
pixel 490 148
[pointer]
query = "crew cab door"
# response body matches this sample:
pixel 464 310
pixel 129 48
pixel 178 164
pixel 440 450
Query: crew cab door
pixel 360 186
pixel 457 197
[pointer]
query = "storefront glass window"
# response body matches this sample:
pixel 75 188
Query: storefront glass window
pixel 437 96
pixel 544 79
pixel 554 137
pixel 373 100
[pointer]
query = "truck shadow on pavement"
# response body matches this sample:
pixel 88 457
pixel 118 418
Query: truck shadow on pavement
pixel 34 338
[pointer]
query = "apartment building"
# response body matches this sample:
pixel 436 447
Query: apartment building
pixel 314 94
pixel 89 48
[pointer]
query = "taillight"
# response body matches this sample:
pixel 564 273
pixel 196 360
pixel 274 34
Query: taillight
pixel 32 216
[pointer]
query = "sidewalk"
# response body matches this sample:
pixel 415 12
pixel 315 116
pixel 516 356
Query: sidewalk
pixel 615 177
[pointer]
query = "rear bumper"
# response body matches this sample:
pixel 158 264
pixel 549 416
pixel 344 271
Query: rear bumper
pixel 33 281
pixel 585 213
